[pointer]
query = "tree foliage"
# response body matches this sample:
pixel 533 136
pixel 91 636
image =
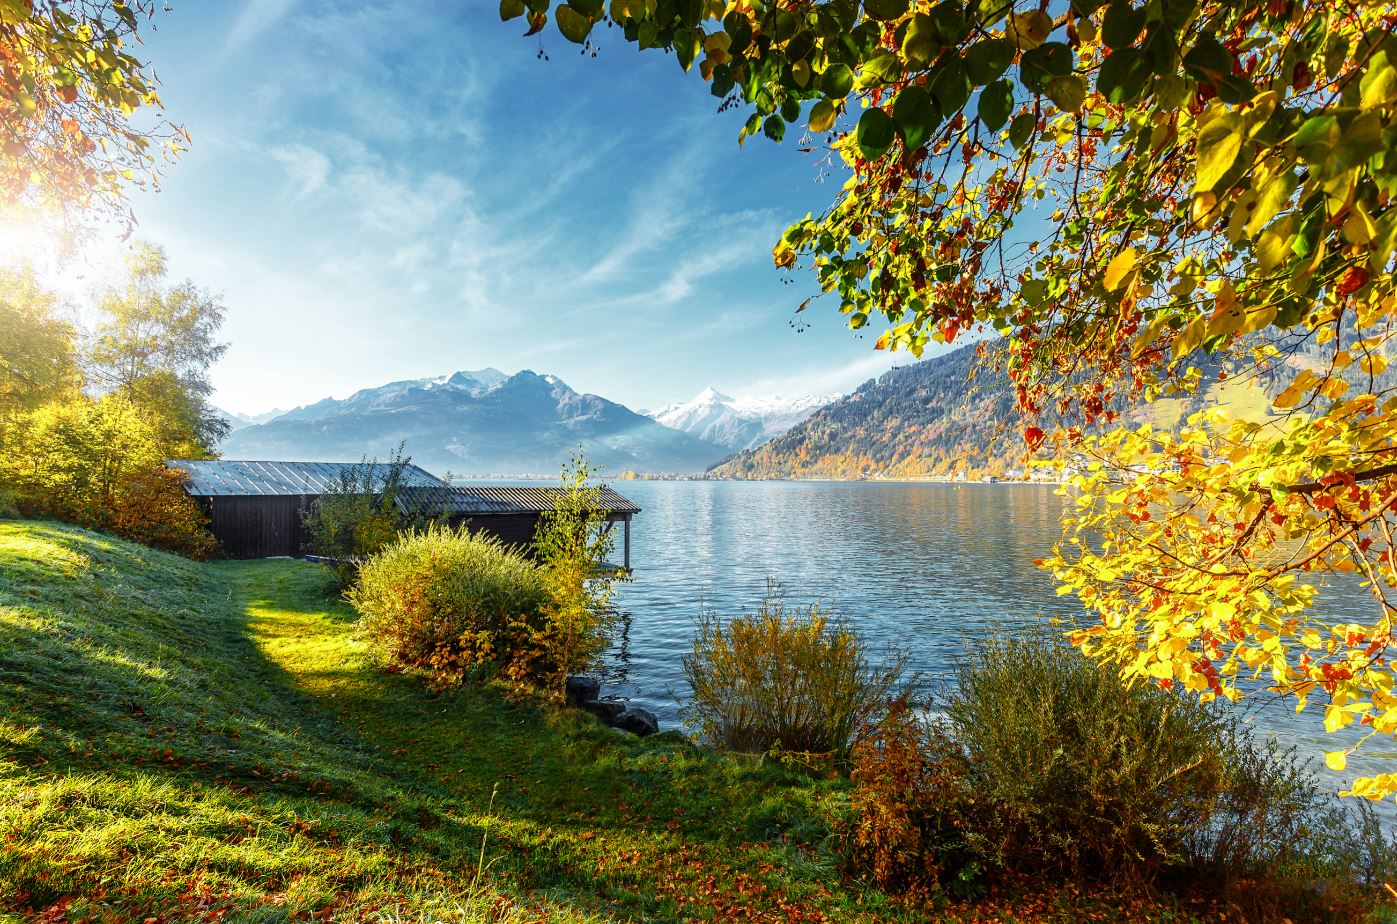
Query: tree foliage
pixel 154 346
pixel 80 118
pixel 363 512
pixel 100 463
pixel 572 543
pixel 1127 192
pixel 38 353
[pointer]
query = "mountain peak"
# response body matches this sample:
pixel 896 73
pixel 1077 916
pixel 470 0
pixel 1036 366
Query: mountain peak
pixel 738 423
pixel 711 394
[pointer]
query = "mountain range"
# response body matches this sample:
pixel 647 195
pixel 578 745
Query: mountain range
pixel 476 423
pixel 738 423
pixel 929 418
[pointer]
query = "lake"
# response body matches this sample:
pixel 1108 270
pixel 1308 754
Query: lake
pixel 925 567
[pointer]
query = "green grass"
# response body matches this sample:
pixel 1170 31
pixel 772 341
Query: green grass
pixel 214 742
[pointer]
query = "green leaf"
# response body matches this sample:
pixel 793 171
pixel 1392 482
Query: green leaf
pixel 1360 140
pixel 1208 59
pixel 511 9
pixel 881 70
pixel 1021 128
pixel 686 46
pixel 1042 64
pixel 590 8
pixel 920 44
pixel 951 24
pixel 736 25
pixel 822 116
pixel 790 109
pixel 1068 92
pixel 1317 137
pixel 875 133
pixel 1274 195
pixel 885 10
pixel 573 25
pixel 837 81
pixel 774 128
pixel 988 59
pixel 1122 25
pixel 950 87
pixel 989 12
pixel 996 102
pixel 915 116
pixel 1123 75
pixel 1379 84
pixel 1219 143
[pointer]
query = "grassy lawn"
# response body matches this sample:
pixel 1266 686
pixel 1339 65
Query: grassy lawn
pixel 213 742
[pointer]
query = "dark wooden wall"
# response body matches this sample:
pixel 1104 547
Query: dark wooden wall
pixel 267 526
pixel 515 529
pixel 257 527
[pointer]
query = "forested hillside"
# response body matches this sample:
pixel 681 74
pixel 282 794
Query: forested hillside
pixel 947 415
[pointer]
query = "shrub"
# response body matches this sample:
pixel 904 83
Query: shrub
pixel 1084 774
pixel 98 463
pixel 909 806
pixel 446 601
pixel 572 544
pixel 1047 764
pixel 364 511
pixel 787 679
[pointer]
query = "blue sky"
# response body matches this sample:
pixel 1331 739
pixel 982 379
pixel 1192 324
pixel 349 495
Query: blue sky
pixel 400 189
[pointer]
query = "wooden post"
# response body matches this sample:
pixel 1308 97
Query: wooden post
pixel 628 542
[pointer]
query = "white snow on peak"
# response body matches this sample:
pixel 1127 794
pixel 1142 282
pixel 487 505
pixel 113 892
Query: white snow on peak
pixel 738 422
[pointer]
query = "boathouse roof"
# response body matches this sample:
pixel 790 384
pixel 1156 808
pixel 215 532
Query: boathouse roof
pixel 247 478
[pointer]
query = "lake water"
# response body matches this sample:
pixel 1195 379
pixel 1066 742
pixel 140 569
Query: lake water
pixel 925 567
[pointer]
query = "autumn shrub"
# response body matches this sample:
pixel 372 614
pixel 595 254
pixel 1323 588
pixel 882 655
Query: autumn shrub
pixel 572 544
pixel 1083 775
pixel 448 602
pixel 99 464
pixel 785 678
pixel 1048 765
pixel 362 512
pixel 911 809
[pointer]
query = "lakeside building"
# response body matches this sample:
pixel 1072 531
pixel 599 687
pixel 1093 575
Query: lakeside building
pixel 254 507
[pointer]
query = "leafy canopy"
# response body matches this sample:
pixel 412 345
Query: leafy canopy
pixel 1131 193
pixel 80 119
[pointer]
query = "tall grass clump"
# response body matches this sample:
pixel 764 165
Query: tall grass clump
pixel 447 602
pixel 785 678
pixel 1048 765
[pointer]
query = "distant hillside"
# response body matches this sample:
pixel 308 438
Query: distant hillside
pixel 923 419
pixel 476 423
pixel 743 422
pixel 931 419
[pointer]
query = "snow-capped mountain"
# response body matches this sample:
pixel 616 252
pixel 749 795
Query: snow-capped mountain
pixel 475 423
pixel 738 423
pixel 238 421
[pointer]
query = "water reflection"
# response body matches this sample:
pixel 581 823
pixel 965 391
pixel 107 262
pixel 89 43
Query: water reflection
pixel 924 567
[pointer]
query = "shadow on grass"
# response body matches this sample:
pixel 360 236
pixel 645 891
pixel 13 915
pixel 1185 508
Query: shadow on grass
pixel 583 808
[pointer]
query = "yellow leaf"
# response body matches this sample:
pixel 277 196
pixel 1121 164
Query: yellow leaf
pixel 1191 337
pixel 1028 30
pixel 1219 143
pixel 1119 267
pixel 1296 390
pixel 1336 760
pixel 822 116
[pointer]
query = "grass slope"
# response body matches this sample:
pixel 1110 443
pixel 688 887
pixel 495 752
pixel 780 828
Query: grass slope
pixel 212 742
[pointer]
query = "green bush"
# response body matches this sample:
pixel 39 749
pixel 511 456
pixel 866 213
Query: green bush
pixel 1048 765
pixel 446 602
pixel 784 679
pixel 1084 774
pixel 572 544
pixel 362 512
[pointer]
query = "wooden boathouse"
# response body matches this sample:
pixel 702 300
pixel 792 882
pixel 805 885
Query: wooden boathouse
pixel 254 507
